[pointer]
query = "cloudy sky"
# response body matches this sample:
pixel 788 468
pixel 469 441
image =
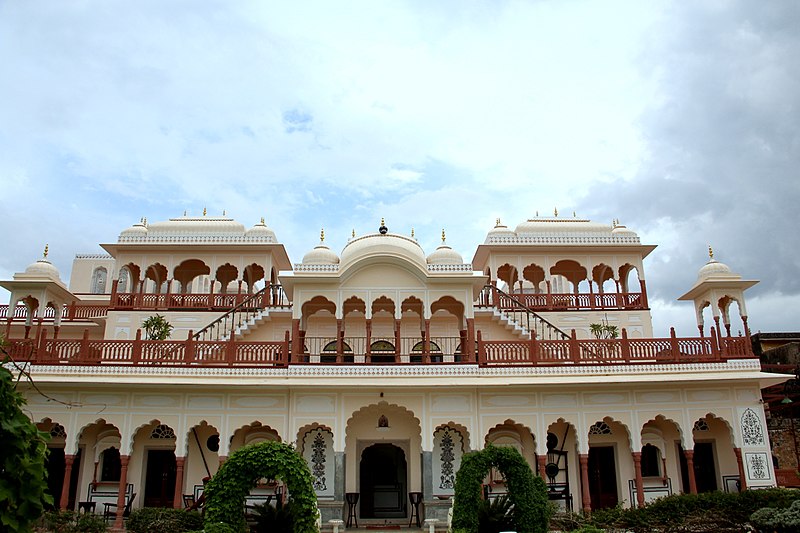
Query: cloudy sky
pixel 682 119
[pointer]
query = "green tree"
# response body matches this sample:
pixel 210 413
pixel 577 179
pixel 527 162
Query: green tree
pixel 23 478
pixel 157 328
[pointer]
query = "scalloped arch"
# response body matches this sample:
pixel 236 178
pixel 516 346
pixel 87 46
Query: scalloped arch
pixel 304 430
pixel 382 404
pixel 461 429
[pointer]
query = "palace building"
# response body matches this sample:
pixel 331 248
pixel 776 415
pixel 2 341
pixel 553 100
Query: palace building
pixel 383 364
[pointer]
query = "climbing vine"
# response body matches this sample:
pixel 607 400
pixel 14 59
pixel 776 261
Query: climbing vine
pixel 227 490
pixel 527 492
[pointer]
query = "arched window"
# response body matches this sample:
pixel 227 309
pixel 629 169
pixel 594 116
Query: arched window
pixel 651 461
pixel 110 465
pixel 99 278
pixel 124 276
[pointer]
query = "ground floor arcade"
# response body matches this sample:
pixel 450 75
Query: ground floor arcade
pixel 595 445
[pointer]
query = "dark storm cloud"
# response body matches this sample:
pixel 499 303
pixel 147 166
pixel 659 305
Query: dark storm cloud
pixel 723 145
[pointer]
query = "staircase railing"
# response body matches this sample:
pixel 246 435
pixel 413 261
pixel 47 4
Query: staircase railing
pixel 491 296
pixel 236 317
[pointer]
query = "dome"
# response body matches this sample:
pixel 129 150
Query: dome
pixel 714 269
pixel 321 254
pixel 444 255
pixel 260 230
pixel 387 244
pixel 43 268
pixel 500 230
pixel 548 225
pixel 138 229
pixel 621 229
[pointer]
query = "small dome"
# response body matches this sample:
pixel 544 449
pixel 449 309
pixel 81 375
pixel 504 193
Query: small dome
pixel 137 229
pixel 260 230
pixel 321 254
pixel 444 255
pixel 43 268
pixel 621 229
pixel 500 230
pixel 714 269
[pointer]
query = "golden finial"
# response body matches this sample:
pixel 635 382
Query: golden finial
pixel 262 220
pixel 442 235
pixel 204 211
pixel 710 252
pixel 353 234
pixel 322 235
pixel 144 221
pixel 555 212
pixel 412 232
pixel 497 223
pixel 46 250
pixel 383 223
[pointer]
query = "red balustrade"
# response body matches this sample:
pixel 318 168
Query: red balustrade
pixel 491 297
pixel 271 296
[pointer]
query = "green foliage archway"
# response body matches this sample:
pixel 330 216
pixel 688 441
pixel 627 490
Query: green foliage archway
pixel 227 490
pixel 527 492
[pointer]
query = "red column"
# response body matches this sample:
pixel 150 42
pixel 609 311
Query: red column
pixel 585 497
pixel 177 501
pixel 339 339
pixel 123 484
pixel 68 460
pixel 644 293
pixel 426 346
pixel 542 463
pixel 689 454
pixel 368 347
pixel 637 467
pixel 469 349
pixel 740 464
pixel 296 346
pixel 397 349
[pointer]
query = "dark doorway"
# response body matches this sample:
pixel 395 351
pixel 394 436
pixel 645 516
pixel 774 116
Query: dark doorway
pixel 705 471
pixel 602 477
pixel 159 486
pixel 383 482
pixel 55 466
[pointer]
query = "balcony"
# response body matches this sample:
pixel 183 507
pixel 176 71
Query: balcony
pixel 270 297
pixel 627 301
pixel 356 351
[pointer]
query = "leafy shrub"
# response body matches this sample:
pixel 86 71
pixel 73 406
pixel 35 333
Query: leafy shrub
pixel 779 520
pixel 72 522
pixel 162 520
pixel 23 479
pixel 269 519
pixel 218 527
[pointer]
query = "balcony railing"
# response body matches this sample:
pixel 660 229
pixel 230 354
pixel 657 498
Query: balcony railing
pixel 73 311
pixel 353 351
pixel 492 297
pixel 271 296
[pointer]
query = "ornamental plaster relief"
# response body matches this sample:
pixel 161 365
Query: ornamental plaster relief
pixel 451 403
pixel 715 395
pixel 517 400
pixel 258 402
pixel 658 397
pixel 315 404
pixel 606 398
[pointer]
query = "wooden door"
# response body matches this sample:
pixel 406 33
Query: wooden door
pixel 602 477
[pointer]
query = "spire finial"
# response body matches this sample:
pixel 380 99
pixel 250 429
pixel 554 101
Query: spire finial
pixel 443 237
pixel 555 212
pixel 262 220
pixel 46 250
pixel 322 235
pixel 574 214
pixel 353 234
pixel 184 212
pixel 710 252
pixel 412 232
pixel 497 223
pixel 383 222
pixel 144 221
pixel 204 211
pixel 537 212
pixel 224 213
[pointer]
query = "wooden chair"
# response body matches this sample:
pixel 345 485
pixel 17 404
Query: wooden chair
pixel 110 509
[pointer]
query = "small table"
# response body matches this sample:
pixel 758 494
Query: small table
pixel 87 507
pixel 352 501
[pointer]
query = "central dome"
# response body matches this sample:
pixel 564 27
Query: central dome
pixel 388 244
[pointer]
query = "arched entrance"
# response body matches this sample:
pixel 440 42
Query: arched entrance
pixel 383 481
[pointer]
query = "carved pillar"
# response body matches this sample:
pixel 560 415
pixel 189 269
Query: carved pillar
pixel 689 454
pixel 740 464
pixel 637 467
pixel 426 346
pixel 64 502
pixel 585 497
pixel 644 294
pixel 469 349
pixel 123 485
pixel 397 350
pixel 368 347
pixel 296 346
pixel 177 501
